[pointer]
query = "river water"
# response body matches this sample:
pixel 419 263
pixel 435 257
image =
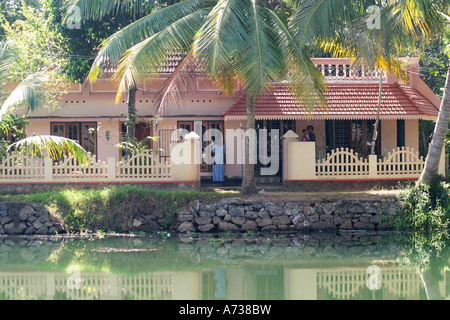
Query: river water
pixel 345 266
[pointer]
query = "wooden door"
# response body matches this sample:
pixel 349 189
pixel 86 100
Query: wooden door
pixel 209 134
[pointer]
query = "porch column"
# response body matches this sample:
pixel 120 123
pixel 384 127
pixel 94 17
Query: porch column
pixel 288 137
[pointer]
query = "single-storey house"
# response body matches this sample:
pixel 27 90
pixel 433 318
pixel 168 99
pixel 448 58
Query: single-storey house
pixel 89 114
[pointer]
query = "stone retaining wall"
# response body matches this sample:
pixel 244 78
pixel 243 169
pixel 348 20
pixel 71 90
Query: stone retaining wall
pixel 227 215
pixel 28 219
pixel 238 215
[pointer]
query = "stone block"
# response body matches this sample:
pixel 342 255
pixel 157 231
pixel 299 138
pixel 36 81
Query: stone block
pixel 206 227
pixel 249 225
pixel 226 226
pixel 236 211
pixel 274 210
pixel 185 227
pixel 281 220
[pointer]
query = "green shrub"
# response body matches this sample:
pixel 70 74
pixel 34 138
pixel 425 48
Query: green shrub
pixel 425 207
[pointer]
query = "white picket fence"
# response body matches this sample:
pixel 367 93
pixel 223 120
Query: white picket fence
pixel 21 167
pixel 70 168
pixel 340 164
pixel 86 285
pixel 344 284
pixel 144 165
pixel 401 162
pixel 344 163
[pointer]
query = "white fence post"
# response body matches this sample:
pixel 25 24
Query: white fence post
pixel 48 169
pixel 111 161
pixel 373 166
pixel 185 158
pixel 301 161
pixel 289 137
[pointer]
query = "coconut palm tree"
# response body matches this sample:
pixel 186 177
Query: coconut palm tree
pixel 406 23
pixel 246 40
pixel 157 15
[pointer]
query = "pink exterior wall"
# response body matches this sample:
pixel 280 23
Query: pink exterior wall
pixel 106 147
pixel 38 127
pixel 389 135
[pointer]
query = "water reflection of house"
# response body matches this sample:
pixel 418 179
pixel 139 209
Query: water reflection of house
pixel 236 283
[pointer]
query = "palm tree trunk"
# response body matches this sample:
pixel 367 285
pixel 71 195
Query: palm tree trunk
pixel 248 179
pixel 131 113
pixel 377 121
pixel 431 285
pixel 437 143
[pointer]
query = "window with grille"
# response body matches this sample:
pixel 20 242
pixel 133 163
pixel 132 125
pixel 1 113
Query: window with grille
pixel 342 133
pixel 85 133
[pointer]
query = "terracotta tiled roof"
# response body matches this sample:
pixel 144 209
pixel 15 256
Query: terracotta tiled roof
pixel 171 63
pixel 345 101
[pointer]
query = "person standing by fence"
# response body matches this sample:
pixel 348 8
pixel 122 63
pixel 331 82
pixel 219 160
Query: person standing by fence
pixel 219 165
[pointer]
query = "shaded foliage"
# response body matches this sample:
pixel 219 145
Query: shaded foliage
pixel 425 207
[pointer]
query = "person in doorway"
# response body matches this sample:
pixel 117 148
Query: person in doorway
pixel 218 151
pixel 312 136
pixel 305 135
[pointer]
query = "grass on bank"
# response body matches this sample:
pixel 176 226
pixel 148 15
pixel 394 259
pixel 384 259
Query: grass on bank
pixel 111 208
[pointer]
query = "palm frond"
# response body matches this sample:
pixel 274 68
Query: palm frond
pixel 420 18
pixel 379 48
pixel 12 126
pixel 53 146
pixel 29 93
pixel 112 49
pixel 314 18
pixel 215 43
pixel 98 9
pixel 169 88
pixel 262 61
pixel 236 39
pixel 304 80
pixel 7 58
pixel 147 56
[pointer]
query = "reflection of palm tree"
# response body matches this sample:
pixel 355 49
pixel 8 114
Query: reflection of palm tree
pixel 430 254
pixel 430 281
